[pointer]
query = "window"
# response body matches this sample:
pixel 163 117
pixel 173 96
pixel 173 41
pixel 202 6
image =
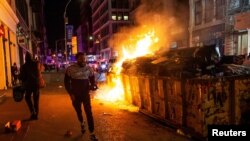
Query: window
pixel 246 2
pixel 198 12
pixel 120 4
pixel 220 9
pixel 234 4
pixel 242 44
pixel 119 17
pixel 209 10
pixel 114 28
pixel 125 17
pixel 113 17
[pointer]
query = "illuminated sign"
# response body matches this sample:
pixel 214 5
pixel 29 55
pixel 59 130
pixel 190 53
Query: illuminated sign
pixel 21 40
pixel 69 32
pixel 74 45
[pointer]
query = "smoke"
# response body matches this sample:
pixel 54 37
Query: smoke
pixel 154 17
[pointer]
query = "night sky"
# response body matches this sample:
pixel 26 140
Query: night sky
pixel 54 21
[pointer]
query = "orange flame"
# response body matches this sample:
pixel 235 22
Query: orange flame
pixel 151 35
pixel 142 48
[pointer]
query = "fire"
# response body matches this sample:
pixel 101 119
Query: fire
pixel 112 93
pixel 137 47
pixel 140 47
pixel 150 34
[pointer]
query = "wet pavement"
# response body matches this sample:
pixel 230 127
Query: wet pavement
pixel 113 121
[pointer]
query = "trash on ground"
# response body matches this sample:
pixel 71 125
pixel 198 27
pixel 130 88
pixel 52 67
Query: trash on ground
pixel 12 126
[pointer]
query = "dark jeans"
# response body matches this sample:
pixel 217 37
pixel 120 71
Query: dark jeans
pixel 87 108
pixel 33 106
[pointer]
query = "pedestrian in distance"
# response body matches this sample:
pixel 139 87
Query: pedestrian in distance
pixel 14 74
pixel 29 75
pixel 78 80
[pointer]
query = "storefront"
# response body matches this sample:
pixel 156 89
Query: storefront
pixel 8 43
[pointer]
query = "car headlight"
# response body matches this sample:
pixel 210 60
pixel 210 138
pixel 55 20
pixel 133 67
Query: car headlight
pixel 103 66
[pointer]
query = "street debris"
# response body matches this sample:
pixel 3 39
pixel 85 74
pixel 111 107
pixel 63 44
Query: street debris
pixel 13 126
pixel 192 62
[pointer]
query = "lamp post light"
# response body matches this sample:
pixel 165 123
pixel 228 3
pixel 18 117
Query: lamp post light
pixel 66 22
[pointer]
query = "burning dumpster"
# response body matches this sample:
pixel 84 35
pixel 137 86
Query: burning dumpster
pixel 189 88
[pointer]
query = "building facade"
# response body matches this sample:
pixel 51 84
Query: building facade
pixel 84 31
pixel 107 17
pixel 237 27
pixel 8 42
pixel 224 23
pixel 21 31
pixel 179 10
pixel 31 30
pixel 207 23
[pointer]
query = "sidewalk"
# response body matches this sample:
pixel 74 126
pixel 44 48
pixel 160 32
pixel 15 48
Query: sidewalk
pixel 113 122
pixel 3 95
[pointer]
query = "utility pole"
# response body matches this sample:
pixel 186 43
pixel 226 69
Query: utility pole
pixel 65 33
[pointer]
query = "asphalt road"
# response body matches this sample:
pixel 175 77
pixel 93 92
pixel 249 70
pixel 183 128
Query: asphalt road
pixel 113 121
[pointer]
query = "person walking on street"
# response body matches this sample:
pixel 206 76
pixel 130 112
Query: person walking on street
pixel 29 74
pixel 14 73
pixel 78 80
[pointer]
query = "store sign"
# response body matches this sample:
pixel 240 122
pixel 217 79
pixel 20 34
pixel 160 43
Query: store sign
pixel 69 32
pixel 21 40
pixel 74 45
pixel 1 30
pixel 242 21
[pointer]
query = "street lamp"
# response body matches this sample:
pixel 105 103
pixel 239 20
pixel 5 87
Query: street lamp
pixel 65 22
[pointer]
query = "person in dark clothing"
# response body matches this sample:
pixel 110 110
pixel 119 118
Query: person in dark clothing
pixel 14 73
pixel 29 74
pixel 78 79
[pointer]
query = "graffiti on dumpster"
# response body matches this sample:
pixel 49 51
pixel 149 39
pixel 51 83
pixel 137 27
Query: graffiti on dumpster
pixel 242 90
pixel 219 97
pixel 196 92
pixel 174 101
pixel 217 108
pixel 209 99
